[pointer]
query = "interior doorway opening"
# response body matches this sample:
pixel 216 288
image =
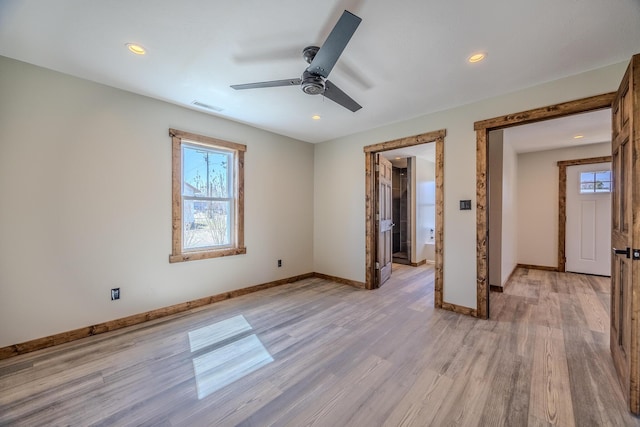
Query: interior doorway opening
pixel 372 222
pixel 413 204
pixel 402 199
pixel 483 128
pixel 534 211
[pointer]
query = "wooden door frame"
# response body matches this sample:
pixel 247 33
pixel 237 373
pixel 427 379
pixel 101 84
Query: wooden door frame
pixel 370 152
pixel 482 129
pixel 562 203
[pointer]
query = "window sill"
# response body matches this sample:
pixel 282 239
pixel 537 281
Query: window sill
pixel 193 256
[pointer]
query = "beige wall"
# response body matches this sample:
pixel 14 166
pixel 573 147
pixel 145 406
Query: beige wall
pixel 538 201
pixel 339 247
pixel 86 200
pixel 494 199
pixel 510 219
pixel 425 209
pixel 503 218
pixel 85 181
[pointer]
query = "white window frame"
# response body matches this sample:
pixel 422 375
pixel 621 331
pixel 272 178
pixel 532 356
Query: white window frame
pixel 594 190
pixel 236 177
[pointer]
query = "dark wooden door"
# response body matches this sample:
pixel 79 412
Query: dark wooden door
pixel 625 234
pixel 384 219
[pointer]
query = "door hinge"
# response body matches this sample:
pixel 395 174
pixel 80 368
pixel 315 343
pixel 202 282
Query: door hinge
pixel 377 217
pixel 377 168
pixel 377 266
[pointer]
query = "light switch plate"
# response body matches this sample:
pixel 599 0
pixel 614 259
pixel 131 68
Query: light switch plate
pixel 465 205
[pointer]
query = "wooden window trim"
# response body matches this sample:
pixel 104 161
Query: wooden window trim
pixel 177 139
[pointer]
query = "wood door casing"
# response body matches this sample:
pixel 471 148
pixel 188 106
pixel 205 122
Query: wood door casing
pixel 385 220
pixel 625 234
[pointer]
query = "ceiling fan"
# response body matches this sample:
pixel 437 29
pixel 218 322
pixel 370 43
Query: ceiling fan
pixel 321 61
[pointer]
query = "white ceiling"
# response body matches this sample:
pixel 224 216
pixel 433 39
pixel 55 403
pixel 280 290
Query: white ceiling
pixel 407 58
pixel 398 156
pixel 594 127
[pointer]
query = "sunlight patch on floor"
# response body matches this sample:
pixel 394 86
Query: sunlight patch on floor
pixel 218 332
pixel 228 363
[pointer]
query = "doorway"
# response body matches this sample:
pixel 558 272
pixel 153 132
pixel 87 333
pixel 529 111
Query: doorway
pixel 527 194
pixel 482 129
pixel 371 185
pixel 401 193
pixel 413 204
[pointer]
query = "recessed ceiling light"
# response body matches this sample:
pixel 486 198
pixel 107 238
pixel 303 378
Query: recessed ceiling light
pixel 578 136
pixel 398 158
pixel 477 57
pixel 316 117
pixel 136 48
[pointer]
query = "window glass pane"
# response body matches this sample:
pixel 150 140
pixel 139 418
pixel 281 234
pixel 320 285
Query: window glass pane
pixel 586 177
pixel 586 187
pixel 603 187
pixel 206 172
pixel 595 182
pixel 206 224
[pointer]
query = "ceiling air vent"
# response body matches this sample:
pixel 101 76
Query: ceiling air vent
pixel 207 106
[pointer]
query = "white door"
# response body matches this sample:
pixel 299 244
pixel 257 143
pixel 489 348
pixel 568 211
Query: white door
pixel 588 228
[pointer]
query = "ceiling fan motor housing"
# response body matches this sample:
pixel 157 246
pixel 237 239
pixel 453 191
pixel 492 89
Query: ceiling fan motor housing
pixel 312 84
pixel 309 52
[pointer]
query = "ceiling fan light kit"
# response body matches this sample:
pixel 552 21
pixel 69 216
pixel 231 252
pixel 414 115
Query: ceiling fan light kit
pixel 321 60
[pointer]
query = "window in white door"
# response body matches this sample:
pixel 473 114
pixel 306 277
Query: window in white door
pixel 595 182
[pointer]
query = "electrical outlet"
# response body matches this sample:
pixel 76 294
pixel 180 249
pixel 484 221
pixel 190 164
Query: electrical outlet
pixel 279 263
pixel 115 294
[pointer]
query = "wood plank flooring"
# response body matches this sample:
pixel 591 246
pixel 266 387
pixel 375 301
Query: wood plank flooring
pixel 320 353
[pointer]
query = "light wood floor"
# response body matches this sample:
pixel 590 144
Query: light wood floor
pixel 334 355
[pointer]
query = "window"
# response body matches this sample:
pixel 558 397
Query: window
pixel 595 182
pixel 208 203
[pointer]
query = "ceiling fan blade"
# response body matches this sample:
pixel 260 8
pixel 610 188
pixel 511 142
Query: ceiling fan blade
pixel 272 83
pixel 332 48
pixel 353 6
pixel 334 93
